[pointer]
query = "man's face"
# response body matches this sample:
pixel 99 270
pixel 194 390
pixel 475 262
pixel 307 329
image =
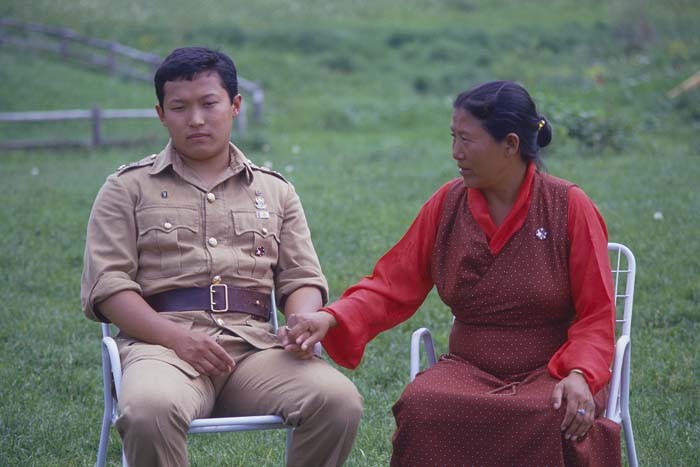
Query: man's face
pixel 198 115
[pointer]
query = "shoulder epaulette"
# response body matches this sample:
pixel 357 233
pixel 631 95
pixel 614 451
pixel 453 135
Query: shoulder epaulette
pixel 146 161
pixel 268 171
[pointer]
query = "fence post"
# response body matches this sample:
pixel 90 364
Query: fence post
pixel 258 99
pixel 111 61
pixel 95 116
pixel 63 47
pixel 241 121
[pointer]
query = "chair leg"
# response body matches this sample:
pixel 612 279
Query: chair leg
pixel 288 444
pixel 629 441
pixel 104 439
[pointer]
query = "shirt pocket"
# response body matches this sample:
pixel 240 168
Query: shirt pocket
pixel 168 241
pixel 256 243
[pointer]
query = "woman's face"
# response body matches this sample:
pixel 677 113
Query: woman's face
pixel 482 161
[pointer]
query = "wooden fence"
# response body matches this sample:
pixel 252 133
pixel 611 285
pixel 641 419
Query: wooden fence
pixel 96 116
pixel 107 56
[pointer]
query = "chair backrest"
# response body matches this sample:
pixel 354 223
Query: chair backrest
pixel 623 266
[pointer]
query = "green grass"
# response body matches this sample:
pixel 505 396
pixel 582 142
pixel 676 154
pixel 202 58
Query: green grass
pixel 363 90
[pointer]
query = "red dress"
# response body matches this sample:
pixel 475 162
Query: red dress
pixel 532 300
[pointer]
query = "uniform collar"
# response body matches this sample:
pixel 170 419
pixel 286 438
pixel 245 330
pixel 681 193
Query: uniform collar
pixel 170 157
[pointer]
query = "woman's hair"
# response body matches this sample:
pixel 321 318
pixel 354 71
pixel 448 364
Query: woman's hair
pixel 505 107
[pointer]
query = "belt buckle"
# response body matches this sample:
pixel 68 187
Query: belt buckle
pixel 212 299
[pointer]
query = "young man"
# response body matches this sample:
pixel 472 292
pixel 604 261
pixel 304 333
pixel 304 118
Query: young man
pixel 183 250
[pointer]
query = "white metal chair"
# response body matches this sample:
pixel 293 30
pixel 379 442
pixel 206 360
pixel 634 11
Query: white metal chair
pixel 111 385
pixel 623 267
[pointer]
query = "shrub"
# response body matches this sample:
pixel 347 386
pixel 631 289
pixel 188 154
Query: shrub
pixel 594 130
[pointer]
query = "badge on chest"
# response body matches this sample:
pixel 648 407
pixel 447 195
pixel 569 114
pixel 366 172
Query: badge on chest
pixel 261 207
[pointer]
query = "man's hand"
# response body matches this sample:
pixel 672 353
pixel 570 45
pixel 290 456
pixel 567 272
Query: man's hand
pixel 580 408
pixel 203 353
pixel 128 310
pixel 304 330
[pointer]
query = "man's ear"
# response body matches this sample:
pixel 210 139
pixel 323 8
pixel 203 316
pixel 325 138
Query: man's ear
pixel 236 105
pixel 512 144
pixel 161 113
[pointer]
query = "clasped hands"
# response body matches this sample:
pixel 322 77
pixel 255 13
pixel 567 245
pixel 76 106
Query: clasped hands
pixel 300 335
pixel 304 330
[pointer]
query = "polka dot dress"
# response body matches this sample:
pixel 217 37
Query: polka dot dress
pixel 487 402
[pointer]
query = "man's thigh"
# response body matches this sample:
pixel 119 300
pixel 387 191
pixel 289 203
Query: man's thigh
pixel 276 382
pixel 153 386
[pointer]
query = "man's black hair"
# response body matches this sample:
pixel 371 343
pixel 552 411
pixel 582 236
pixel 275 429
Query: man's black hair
pixel 186 62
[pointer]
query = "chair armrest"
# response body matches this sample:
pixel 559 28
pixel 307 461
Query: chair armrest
pixel 110 352
pixel 620 371
pixel 422 334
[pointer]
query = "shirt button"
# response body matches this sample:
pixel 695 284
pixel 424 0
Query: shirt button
pixel 264 230
pixel 216 280
pixel 168 225
pixel 212 241
pixel 211 197
pixel 219 321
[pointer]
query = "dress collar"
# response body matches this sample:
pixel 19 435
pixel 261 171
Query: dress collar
pixel 498 236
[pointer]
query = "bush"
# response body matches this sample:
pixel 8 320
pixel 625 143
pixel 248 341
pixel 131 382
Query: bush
pixel 687 105
pixel 594 130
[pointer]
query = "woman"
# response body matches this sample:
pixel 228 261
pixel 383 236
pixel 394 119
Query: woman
pixel 520 257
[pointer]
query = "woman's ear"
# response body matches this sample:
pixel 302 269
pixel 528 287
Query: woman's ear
pixel 512 145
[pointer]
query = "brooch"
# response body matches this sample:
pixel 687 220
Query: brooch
pixel 541 233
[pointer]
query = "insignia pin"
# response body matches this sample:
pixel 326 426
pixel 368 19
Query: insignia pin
pixel 163 194
pixel 260 251
pixel 541 233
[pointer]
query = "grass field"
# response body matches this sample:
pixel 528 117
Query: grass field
pixel 357 117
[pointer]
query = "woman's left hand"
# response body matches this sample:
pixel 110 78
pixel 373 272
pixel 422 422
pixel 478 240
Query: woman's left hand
pixel 304 330
pixel 580 408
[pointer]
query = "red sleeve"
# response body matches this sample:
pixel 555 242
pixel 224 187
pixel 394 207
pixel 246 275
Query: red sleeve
pixel 391 294
pixel 591 338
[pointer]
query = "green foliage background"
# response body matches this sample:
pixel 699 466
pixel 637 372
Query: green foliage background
pixel 358 106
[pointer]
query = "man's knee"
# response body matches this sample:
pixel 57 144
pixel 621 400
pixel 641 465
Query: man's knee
pixel 336 401
pixel 151 416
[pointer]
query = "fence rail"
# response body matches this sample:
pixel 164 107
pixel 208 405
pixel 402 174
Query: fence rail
pixel 61 115
pixel 96 116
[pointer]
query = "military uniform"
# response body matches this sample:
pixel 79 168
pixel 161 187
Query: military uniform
pixel 155 228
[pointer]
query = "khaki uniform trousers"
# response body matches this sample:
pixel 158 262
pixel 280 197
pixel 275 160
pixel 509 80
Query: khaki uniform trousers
pixel 160 396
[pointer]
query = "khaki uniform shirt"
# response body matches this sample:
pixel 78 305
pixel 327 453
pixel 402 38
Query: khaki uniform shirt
pixel 154 227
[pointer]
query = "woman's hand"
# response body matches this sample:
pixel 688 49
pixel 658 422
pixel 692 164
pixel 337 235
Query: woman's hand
pixel 580 408
pixel 304 330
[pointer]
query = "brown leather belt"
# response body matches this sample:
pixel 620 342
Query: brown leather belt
pixel 217 298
